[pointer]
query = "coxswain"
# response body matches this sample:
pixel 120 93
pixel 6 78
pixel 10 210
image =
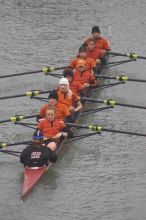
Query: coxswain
pixel 67 97
pixel 82 54
pixel 101 43
pixel 75 86
pixel 85 77
pixel 37 154
pixel 62 112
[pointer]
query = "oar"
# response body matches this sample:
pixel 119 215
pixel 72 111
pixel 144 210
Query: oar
pixel 129 55
pixel 11 152
pixel 46 70
pixel 76 138
pixel 4 145
pixel 104 86
pixel 17 118
pixel 28 125
pixel 121 78
pixel 111 64
pixel 30 94
pixel 91 111
pixel 112 103
pixel 100 129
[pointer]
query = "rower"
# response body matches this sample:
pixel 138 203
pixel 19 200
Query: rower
pixel 62 112
pixel 90 63
pixel 37 154
pixel 96 54
pixel 75 86
pixel 84 77
pixel 101 43
pixel 52 128
pixel 68 98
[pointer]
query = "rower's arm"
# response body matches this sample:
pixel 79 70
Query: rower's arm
pixel 68 131
pixel 79 106
pixel 52 156
pixel 68 119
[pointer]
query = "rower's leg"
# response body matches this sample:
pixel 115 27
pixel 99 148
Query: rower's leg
pixel 52 146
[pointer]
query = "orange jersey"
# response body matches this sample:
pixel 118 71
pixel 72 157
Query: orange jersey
pixel 95 53
pixel 61 111
pixel 68 101
pixel 50 129
pixel 85 77
pixel 101 43
pixel 75 87
pixel 90 63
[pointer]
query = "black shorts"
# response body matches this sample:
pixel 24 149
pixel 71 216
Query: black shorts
pixel 46 142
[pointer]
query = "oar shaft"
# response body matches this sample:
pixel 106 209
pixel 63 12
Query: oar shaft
pixel 13 154
pixel 77 125
pixel 32 93
pixel 99 129
pixel 123 132
pixel 131 106
pixel 121 78
pixel 12 96
pixel 3 145
pixel 17 118
pixel 107 102
pixel 130 55
pixel 61 68
pixel 47 72
pixel 21 74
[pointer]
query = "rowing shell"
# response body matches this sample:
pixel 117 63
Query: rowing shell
pixel 32 175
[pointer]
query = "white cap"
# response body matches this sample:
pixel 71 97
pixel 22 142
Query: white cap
pixel 64 81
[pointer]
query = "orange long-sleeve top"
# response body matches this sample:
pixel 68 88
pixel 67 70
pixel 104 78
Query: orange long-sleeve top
pixel 50 129
pixel 61 111
pixel 75 87
pixel 101 43
pixel 85 77
pixel 68 101
pixel 90 63
pixel 95 53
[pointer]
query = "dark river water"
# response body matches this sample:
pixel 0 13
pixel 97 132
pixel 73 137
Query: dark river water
pixel 101 177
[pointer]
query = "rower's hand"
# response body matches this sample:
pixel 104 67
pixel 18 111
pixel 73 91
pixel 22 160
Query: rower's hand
pixel 72 109
pixel 41 119
pixel 59 135
pixel 103 51
pixel 98 61
pixel 86 85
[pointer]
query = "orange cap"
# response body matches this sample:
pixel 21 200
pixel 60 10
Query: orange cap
pixel 81 63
